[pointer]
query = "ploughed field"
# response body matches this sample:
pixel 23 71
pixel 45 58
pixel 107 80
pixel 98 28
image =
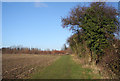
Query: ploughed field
pixel 23 65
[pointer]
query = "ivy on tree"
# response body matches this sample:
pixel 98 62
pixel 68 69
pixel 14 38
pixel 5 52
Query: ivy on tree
pixel 95 25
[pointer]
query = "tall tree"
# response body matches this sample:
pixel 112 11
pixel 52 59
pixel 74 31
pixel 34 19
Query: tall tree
pixel 98 24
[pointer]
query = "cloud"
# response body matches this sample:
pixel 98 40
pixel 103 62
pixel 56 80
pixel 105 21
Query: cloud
pixel 39 4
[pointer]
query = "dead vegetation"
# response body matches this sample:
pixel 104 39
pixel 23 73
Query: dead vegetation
pixel 97 69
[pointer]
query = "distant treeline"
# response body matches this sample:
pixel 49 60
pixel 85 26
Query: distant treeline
pixel 17 50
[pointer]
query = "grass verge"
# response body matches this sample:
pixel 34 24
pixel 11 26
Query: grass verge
pixel 65 68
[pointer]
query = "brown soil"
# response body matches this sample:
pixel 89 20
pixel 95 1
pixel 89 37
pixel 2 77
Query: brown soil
pixel 16 66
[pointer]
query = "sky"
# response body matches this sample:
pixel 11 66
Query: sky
pixel 36 24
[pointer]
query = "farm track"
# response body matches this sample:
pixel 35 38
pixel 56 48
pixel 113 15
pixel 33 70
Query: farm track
pixel 65 68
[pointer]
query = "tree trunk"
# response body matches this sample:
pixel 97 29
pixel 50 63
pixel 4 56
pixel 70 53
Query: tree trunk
pixel 91 55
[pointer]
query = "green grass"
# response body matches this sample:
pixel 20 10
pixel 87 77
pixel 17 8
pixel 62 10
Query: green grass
pixel 65 68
